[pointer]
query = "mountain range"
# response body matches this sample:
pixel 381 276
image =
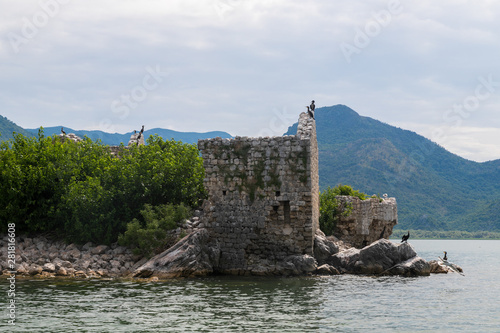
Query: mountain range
pixel 435 189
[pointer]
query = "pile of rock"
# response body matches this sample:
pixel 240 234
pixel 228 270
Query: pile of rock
pixel 41 257
pixel 382 257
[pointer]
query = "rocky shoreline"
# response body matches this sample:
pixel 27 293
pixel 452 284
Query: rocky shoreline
pixel 41 257
pixel 44 258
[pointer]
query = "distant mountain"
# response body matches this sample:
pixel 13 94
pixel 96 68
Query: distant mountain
pixel 435 189
pixel 116 138
pixel 7 127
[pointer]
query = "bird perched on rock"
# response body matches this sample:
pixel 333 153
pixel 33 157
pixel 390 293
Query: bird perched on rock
pixel 311 113
pixel 404 239
pixel 382 233
pixel 445 255
pixel 62 131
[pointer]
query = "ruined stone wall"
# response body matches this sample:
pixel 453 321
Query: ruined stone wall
pixel 263 201
pixel 370 220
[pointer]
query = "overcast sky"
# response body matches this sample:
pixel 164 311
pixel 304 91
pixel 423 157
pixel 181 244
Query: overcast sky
pixel 248 67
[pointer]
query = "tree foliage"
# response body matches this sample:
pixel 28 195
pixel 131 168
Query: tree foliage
pixel 81 192
pixel 149 235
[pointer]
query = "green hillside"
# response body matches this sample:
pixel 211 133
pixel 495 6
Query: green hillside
pixel 435 189
pixel 7 127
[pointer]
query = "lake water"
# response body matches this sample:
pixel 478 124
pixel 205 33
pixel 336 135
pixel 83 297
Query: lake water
pixel 439 303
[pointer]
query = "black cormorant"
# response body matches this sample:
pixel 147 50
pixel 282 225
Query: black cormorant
pixel 445 255
pixel 313 107
pixel 311 113
pixel 382 233
pixel 62 131
pixel 140 134
pixel 405 238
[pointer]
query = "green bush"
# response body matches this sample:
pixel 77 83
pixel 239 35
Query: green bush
pixel 149 235
pixel 81 192
pixel 331 210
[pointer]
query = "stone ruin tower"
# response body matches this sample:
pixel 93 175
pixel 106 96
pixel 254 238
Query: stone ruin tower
pixel 263 197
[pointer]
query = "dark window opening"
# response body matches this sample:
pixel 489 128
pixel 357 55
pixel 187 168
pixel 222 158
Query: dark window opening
pixel 278 193
pixel 224 192
pixel 286 211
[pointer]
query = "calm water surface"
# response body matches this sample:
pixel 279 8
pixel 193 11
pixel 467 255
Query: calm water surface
pixel 439 303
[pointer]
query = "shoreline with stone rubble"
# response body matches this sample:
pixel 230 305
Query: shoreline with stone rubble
pixel 44 258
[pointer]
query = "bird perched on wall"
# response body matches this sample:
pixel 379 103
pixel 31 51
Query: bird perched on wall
pixel 140 134
pixel 445 255
pixel 311 113
pixel 404 239
pixel 62 131
pixel 312 106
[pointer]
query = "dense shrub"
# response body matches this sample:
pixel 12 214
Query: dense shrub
pixel 80 192
pixel 331 209
pixel 149 235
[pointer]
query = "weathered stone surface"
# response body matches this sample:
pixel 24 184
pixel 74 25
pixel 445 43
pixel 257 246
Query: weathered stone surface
pixel 326 270
pixel 49 267
pixel 323 248
pixel 34 269
pixel 439 267
pixel 415 266
pixel 369 221
pixel 101 249
pixel 381 257
pixel 299 265
pixel 189 257
pixel 263 198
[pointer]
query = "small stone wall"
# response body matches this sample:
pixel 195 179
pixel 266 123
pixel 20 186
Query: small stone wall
pixel 370 220
pixel 263 198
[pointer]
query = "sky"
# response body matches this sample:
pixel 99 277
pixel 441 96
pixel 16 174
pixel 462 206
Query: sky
pixel 249 67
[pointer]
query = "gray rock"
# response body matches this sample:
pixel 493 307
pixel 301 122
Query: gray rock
pixel 35 269
pixel 74 253
pixel 72 247
pixel 120 250
pixel 382 256
pixel 101 249
pixel 66 264
pixel 326 270
pixel 115 264
pixel 49 267
pixel 415 266
pixel 323 248
pixel 298 265
pixel 61 272
pixel 87 246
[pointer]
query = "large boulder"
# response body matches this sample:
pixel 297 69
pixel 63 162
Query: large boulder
pixel 381 257
pixel 323 248
pixel 297 265
pixel 190 257
pixel 415 266
pixel 440 266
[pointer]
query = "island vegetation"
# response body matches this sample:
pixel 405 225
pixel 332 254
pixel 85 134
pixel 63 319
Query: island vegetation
pixel 81 192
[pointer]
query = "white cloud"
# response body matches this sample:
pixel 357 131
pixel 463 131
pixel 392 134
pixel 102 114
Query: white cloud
pixel 232 62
